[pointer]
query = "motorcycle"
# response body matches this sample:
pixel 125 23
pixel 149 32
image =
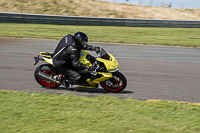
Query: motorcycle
pixel 106 72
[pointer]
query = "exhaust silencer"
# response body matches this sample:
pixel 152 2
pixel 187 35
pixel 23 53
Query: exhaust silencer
pixel 47 77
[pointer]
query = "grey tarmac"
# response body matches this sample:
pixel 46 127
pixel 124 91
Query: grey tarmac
pixel 153 72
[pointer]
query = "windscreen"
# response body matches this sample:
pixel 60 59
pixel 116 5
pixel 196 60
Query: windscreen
pixel 104 54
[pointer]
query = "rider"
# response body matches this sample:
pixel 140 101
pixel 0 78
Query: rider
pixel 67 53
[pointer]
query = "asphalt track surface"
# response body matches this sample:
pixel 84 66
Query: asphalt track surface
pixel 153 72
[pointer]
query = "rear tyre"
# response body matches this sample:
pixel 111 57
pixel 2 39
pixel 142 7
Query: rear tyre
pixel 47 69
pixel 115 84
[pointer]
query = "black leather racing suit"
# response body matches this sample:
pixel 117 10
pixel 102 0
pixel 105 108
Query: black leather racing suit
pixel 66 58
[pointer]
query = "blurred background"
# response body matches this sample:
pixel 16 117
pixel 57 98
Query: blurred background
pixel 183 4
pixel 138 9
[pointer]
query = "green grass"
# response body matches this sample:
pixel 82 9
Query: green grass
pixel 189 37
pixel 22 112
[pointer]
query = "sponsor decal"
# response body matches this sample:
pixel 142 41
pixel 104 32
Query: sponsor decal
pixel 82 54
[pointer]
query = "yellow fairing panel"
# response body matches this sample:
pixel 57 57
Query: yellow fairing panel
pixel 110 64
pixel 47 57
pixel 83 58
pixel 106 75
pixel 50 61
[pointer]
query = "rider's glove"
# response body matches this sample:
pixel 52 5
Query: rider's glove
pixel 96 49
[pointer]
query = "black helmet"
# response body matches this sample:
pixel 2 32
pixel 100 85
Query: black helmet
pixel 81 39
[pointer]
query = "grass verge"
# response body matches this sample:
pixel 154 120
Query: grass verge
pixel 49 113
pixel 189 37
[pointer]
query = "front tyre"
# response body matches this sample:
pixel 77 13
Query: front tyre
pixel 115 84
pixel 47 69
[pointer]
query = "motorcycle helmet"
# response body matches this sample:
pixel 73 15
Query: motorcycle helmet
pixel 81 39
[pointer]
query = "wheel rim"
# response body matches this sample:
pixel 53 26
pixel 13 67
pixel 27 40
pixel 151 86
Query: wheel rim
pixel 114 84
pixel 46 83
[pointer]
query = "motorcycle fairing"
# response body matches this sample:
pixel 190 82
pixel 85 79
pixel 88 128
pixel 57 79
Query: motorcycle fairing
pixel 104 77
pixel 83 58
pixel 111 65
pixel 47 56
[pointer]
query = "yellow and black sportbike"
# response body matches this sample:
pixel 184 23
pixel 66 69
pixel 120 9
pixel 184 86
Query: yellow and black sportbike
pixel 106 73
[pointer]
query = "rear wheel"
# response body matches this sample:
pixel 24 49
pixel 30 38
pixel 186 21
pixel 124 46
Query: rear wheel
pixel 47 69
pixel 115 84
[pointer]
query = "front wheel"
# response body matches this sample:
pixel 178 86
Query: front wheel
pixel 115 84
